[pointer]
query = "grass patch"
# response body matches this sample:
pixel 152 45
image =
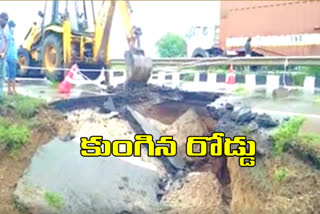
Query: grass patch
pixel 15 127
pixel 310 139
pixel 25 106
pixel 308 148
pixel 280 174
pixel 54 199
pixel 305 146
pixel 286 134
pixel 13 136
pixel 240 91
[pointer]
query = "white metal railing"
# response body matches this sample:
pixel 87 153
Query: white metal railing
pixel 266 60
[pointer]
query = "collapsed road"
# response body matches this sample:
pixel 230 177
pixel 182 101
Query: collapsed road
pixel 163 185
pixel 121 100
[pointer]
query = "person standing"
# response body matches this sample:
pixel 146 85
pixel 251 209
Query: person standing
pixel 3 49
pixel 247 47
pixel 11 57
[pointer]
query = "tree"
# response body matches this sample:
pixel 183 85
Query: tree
pixel 171 45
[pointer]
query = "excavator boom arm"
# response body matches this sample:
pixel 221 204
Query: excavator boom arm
pixel 103 27
pixel 138 66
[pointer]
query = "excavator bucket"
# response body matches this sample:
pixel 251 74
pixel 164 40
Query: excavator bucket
pixel 138 67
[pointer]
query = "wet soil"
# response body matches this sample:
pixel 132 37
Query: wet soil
pixel 121 98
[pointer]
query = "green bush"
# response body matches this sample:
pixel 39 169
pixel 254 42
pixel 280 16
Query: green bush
pixel 310 138
pixel 286 134
pixel 25 106
pixel 13 136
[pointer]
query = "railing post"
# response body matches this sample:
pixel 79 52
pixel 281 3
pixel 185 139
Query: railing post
pixel 272 83
pixel 309 84
pixel 212 81
pixel 250 81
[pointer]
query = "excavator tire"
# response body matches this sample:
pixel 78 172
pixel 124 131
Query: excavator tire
pixel 52 57
pixel 24 60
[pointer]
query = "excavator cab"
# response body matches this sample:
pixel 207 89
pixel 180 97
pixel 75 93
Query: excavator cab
pixel 71 32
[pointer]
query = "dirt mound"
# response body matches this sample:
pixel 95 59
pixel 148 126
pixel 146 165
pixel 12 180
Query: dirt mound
pixel 201 194
pixel 189 124
pixel 56 123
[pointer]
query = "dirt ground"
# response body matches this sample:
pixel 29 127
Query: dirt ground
pixel 263 189
pixel 12 166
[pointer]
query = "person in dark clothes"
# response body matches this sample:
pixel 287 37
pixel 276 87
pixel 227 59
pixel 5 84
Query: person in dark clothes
pixel 247 47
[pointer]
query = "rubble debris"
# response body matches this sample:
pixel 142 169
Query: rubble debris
pixel 122 97
pixel 199 192
pixel 220 107
pixel 252 127
pixel 265 121
pixel 230 117
pixel 243 116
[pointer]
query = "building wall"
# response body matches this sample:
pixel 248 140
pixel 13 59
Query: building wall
pixel 242 19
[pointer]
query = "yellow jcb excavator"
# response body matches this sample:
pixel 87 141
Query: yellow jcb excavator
pixel 70 33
